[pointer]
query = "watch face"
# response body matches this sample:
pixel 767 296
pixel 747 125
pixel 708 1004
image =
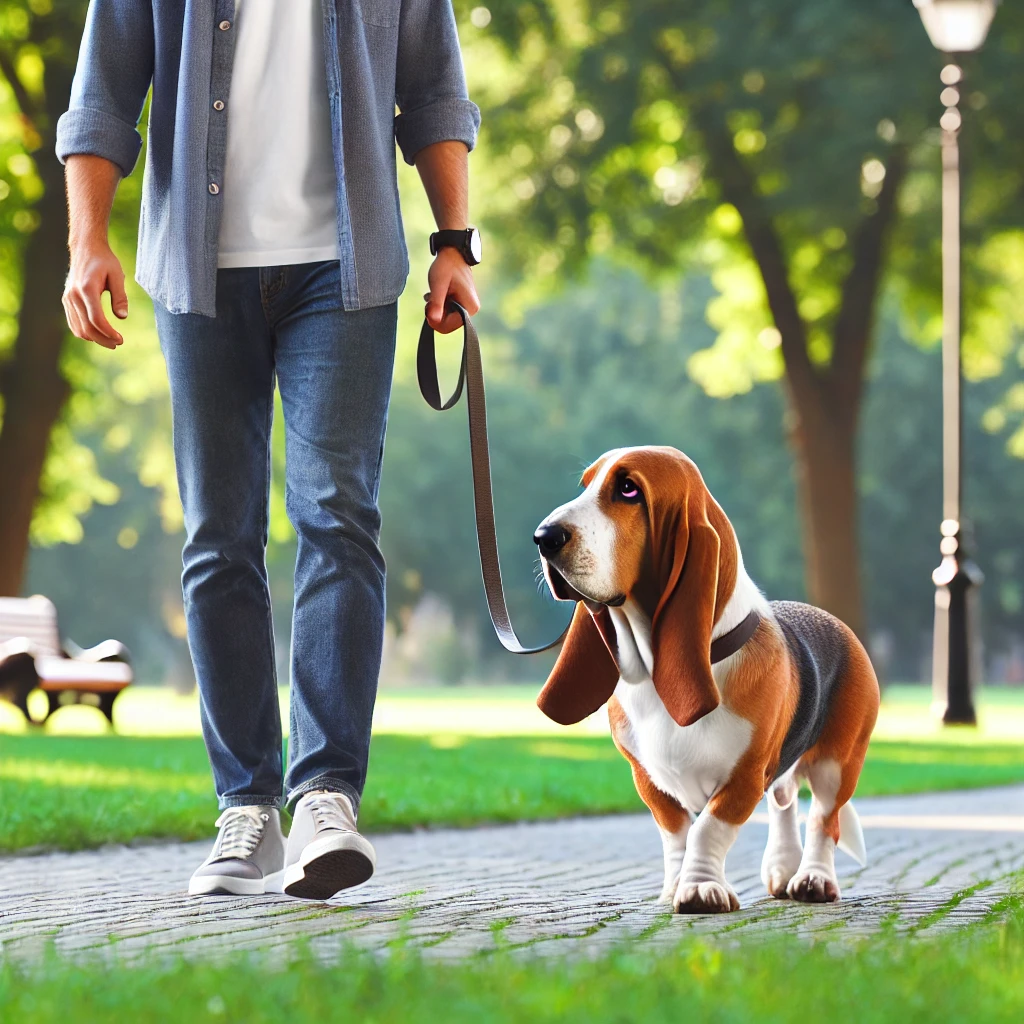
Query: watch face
pixel 474 244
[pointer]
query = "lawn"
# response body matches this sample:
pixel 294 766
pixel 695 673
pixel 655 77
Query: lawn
pixel 503 711
pixel 75 792
pixel 448 756
pixel 975 974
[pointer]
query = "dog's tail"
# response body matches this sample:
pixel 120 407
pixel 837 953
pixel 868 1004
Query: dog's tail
pixel 851 835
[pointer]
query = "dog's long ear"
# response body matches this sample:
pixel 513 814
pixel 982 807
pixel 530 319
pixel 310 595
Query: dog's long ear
pixel 585 673
pixel 686 548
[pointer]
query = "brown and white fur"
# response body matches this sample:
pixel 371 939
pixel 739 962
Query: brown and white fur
pixel 657 571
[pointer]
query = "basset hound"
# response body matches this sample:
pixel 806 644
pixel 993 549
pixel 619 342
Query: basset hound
pixel 715 695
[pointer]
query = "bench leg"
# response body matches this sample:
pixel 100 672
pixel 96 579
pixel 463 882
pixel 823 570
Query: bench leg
pixel 54 704
pixel 20 701
pixel 107 705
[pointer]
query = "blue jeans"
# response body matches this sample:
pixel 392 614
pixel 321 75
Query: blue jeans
pixel 334 372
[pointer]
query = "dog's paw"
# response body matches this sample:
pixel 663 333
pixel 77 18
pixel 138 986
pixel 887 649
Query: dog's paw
pixel 705 898
pixel 810 886
pixel 776 872
pixel 668 890
pixel 776 880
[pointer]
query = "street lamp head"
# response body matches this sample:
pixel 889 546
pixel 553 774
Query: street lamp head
pixel 957 26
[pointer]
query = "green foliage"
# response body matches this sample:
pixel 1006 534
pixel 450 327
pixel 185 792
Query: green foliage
pixel 79 792
pixel 976 973
pixel 603 365
pixel 900 487
pixel 615 121
pixel 112 394
pixel 595 145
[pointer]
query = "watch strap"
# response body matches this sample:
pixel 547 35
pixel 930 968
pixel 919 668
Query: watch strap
pixel 455 239
pixel 449 237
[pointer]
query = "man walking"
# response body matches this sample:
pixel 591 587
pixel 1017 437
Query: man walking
pixel 271 243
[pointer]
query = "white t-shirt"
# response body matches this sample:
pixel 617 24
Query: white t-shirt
pixel 279 190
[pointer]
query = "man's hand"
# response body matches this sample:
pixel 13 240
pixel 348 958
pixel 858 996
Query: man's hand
pixel 444 168
pixel 92 182
pixel 94 270
pixel 449 277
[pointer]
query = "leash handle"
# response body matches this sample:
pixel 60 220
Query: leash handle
pixel 471 378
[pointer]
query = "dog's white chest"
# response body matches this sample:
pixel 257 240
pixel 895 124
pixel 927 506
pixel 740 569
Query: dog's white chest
pixel 688 762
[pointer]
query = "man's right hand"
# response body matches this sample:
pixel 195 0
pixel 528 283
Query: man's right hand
pixel 95 270
pixel 92 182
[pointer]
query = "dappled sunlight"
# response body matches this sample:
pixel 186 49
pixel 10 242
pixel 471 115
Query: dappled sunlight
pixel 446 741
pixel 446 713
pixel 573 751
pixel 75 775
pixel 906 714
pixel 887 751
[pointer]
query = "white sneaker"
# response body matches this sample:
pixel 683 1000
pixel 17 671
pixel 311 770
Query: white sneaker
pixel 247 857
pixel 325 853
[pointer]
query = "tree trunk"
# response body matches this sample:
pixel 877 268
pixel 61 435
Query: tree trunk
pixel 824 445
pixel 33 389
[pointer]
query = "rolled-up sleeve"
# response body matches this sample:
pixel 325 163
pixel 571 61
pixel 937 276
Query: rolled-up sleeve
pixel 430 85
pixel 115 68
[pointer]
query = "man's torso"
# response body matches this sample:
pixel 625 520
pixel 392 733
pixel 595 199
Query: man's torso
pixel 280 186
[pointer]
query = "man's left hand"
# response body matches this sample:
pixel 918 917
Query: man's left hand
pixel 449 277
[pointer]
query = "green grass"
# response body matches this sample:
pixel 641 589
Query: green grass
pixel 906 714
pixel 75 792
pixel 975 974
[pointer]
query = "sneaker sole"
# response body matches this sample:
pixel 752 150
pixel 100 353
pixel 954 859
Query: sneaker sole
pixel 228 885
pixel 328 874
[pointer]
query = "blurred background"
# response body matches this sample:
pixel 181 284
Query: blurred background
pixel 713 225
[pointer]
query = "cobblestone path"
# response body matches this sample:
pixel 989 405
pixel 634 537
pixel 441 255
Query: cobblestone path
pixel 936 861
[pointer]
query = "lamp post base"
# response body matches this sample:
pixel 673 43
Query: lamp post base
pixel 955 640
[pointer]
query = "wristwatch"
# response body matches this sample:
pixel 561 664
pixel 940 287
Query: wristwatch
pixel 467 242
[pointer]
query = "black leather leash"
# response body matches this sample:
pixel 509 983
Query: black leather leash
pixel 471 377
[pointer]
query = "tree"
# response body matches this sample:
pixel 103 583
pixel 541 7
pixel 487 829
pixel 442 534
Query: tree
pixel 784 146
pixel 62 399
pixel 38 46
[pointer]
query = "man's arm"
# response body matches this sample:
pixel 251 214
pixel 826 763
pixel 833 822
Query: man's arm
pixel 92 182
pixel 444 171
pixel 436 129
pixel 99 142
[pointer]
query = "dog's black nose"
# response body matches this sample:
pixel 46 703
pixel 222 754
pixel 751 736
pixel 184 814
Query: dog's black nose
pixel 551 539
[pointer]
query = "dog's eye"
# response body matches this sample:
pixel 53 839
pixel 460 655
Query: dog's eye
pixel 628 489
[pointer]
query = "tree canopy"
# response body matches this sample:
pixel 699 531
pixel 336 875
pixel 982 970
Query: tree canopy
pixel 633 129
pixel 784 147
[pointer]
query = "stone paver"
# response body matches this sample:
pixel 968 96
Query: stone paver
pixel 579 886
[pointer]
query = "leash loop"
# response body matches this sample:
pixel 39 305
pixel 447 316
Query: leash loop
pixel 471 378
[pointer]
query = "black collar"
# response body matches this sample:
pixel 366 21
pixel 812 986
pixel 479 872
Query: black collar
pixel 729 643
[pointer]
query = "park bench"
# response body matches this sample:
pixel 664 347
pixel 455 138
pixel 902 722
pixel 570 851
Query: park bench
pixel 32 657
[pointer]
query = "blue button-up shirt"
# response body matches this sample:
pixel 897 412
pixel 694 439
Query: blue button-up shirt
pixel 379 54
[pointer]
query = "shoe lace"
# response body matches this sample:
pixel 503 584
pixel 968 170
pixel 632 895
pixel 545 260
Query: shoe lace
pixel 331 811
pixel 241 831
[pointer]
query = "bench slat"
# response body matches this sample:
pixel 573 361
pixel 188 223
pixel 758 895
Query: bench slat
pixel 58 673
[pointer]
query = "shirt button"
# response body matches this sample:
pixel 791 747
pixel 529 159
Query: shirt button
pixel 214 188
pixel 224 26
pixel 218 104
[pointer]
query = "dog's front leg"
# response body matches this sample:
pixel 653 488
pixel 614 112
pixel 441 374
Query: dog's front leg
pixel 702 885
pixel 672 819
pixel 673 845
pixel 783 852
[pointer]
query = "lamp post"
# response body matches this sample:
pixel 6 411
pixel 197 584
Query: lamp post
pixel 955 27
